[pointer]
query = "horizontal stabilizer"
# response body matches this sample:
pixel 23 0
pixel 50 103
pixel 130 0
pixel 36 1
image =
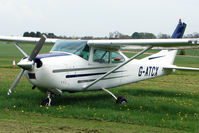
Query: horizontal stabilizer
pixel 181 68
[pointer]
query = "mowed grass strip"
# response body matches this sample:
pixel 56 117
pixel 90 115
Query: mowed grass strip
pixel 36 122
pixel 169 103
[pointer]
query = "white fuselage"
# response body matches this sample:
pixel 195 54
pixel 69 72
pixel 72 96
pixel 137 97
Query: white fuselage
pixel 73 73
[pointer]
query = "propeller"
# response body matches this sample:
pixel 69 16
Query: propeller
pixel 15 82
pixel 37 48
pixel 27 64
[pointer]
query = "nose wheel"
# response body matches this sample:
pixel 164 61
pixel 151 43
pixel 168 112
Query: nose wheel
pixel 47 101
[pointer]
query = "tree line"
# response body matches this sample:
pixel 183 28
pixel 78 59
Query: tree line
pixel 38 34
pixel 112 35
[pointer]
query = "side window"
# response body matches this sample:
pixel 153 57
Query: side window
pixel 101 56
pixel 117 58
pixel 85 52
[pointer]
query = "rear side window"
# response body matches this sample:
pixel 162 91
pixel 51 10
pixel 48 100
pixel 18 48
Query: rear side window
pixel 116 57
pixel 101 56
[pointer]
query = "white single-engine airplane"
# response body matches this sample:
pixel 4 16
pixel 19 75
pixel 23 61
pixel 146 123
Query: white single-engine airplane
pixel 85 65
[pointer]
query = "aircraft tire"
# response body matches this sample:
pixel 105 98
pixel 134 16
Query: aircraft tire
pixel 121 100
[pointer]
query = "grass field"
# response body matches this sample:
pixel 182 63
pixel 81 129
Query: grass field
pixel 165 104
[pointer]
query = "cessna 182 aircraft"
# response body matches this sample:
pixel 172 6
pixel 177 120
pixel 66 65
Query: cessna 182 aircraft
pixel 85 65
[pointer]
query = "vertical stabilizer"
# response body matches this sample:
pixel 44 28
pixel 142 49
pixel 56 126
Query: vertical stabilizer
pixel 179 31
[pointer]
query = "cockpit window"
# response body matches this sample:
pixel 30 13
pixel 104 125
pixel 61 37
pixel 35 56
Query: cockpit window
pixel 85 52
pixel 78 47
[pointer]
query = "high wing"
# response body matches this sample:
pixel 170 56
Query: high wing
pixel 115 44
pixel 157 43
pixel 24 40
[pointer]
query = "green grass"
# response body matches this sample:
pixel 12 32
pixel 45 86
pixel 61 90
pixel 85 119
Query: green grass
pixel 36 122
pixel 165 104
pixel 169 102
pixel 194 52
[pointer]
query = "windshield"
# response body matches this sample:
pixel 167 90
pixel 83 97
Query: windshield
pixel 70 46
pixel 78 47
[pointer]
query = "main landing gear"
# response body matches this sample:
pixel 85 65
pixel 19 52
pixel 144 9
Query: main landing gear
pixel 47 101
pixel 119 100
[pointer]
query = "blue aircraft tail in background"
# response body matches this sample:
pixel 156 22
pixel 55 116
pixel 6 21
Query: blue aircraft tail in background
pixel 179 31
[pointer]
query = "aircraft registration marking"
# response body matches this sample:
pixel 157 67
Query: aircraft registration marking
pixel 151 71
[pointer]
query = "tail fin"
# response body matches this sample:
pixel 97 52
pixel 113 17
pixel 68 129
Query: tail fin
pixel 179 31
pixel 167 57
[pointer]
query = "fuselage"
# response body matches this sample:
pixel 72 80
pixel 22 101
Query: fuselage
pixel 70 72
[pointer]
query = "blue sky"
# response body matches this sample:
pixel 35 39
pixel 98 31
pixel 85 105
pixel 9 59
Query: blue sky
pixel 97 17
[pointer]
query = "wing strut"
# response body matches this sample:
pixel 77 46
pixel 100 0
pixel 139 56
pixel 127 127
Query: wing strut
pixel 119 66
pixel 16 44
